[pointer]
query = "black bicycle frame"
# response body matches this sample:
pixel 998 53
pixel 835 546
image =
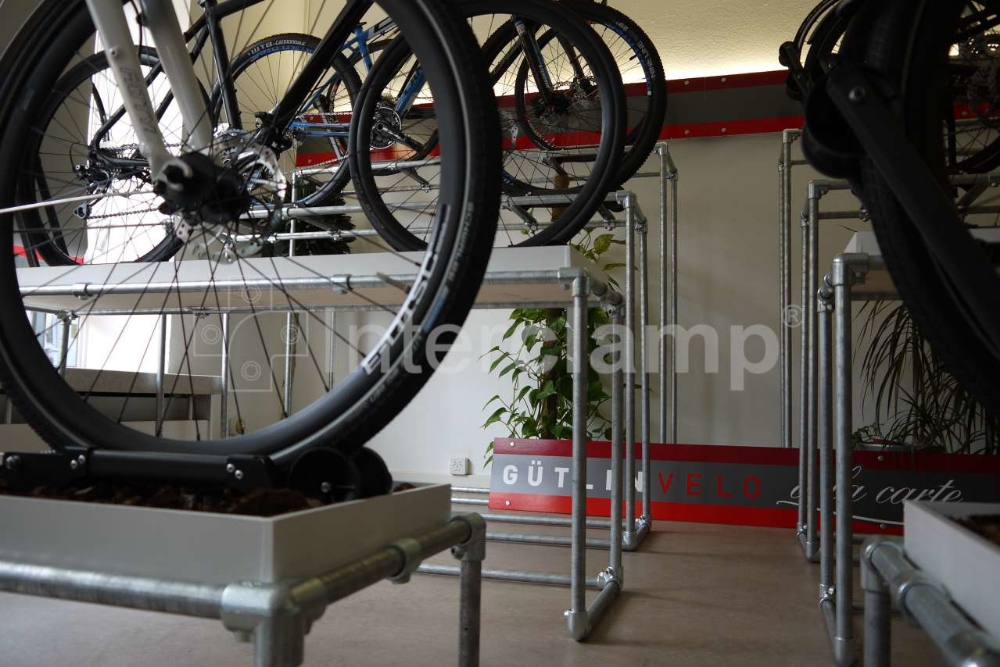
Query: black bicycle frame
pixel 328 48
pixel 209 26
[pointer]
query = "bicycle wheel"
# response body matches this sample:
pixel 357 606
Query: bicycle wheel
pixel 639 64
pixel 972 139
pixel 393 128
pixel 119 309
pixel 908 43
pixel 82 145
pixel 318 136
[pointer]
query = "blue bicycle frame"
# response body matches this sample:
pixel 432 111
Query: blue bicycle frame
pixel 357 49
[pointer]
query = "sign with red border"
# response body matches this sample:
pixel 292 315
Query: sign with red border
pixel 753 486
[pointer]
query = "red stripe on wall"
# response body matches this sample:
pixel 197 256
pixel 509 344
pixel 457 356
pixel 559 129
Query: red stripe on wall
pixel 872 460
pixel 731 128
pixel 727 82
pixel 657 452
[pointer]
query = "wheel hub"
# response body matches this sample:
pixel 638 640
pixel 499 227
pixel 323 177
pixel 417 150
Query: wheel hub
pixel 211 194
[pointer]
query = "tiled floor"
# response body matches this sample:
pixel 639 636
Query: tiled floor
pixel 697 595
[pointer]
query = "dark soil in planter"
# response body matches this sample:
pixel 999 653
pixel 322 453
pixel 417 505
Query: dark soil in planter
pixel 987 525
pixel 259 502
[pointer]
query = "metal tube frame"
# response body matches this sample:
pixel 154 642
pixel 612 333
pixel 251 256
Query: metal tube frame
pixel 837 560
pixel 825 437
pixel 635 529
pixel 581 619
pixel 888 579
pixel 275 617
pixel 809 391
pixel 785 164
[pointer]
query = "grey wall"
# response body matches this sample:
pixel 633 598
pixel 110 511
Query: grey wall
pixel 728 276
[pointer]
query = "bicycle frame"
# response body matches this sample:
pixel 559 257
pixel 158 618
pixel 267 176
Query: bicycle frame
pixel 109 18
pixel 171 44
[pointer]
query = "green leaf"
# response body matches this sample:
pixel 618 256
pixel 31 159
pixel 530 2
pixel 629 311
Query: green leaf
pixel 498 360
pixel 603 243
pixel 508 368
pixel 492 400
pixel 495 417
pixel 510 331
pixel 548 389
pixel 562 432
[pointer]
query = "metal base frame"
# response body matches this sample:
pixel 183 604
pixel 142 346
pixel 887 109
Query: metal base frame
pixel 812 306
pixel 627 535
pixel 275 617
pixel 635 529
pixel 623 536
pixel 889 579
pixel 582 619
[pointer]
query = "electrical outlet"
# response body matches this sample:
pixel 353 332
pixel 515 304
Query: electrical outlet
pixel 459 466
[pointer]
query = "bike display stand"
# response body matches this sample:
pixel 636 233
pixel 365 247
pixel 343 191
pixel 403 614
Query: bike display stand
pixel 586 284
pixel 811 309
pixel 826 398
pixel 889 578
pixel 514 277
pixel 859 274
pixel 272 612
pixel 635 529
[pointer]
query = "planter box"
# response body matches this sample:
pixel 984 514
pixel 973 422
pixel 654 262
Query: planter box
pixel 213 548
pixel 967 564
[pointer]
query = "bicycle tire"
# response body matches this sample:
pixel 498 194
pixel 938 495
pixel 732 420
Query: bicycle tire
pixel 907 44
pixel 646 130
pixel 823 39
pixel 585 199
pixel 443 294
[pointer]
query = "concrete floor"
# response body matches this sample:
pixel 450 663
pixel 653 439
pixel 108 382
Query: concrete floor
pixel 698 595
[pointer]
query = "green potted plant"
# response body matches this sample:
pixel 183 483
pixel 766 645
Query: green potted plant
pixel 540 401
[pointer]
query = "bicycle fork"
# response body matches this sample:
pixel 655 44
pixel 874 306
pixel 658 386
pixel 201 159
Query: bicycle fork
pixel 113 28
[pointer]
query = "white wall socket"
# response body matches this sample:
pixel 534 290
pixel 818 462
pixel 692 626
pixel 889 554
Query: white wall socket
pixel 459 466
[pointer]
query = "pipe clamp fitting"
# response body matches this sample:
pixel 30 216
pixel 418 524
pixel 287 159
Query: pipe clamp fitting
pixel 412 554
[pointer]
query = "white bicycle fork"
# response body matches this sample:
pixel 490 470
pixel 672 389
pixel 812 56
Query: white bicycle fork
pixel 109 17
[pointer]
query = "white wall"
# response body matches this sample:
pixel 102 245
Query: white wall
pixel 727 276
pixel 695 38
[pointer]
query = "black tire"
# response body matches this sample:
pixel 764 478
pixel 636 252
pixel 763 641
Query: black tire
pixel 345 75
pixel 830 25
pixel 908 42
pixel 645 118
pixel 366 400
pixel 587 198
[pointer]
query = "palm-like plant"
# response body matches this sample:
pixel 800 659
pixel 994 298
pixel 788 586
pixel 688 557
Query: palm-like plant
pixel 918 403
